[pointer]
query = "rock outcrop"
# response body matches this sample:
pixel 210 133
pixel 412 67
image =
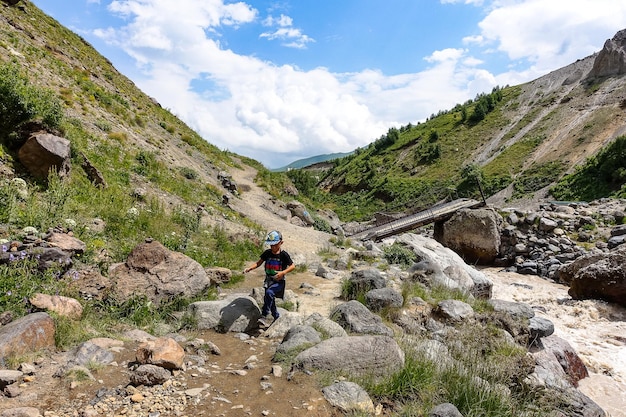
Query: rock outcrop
pixel 611 60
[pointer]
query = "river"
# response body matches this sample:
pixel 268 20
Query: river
pixel 595 329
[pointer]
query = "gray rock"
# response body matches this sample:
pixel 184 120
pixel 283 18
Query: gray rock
pixel 348 396
pixel 367 279
pixel 445 410
pixel 149 375
pixel 447 267
pixel 325 326
pixel 611 60
pixel 540 327
pixel 380 298
pixel 354 317
pixel 298 337
pixel 514 309
pixel 360 355
pixel 454 310
pixel 237 313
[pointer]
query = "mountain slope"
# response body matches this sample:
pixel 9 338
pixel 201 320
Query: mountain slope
pixel 303 163
pixel 161 177
pixel 525 139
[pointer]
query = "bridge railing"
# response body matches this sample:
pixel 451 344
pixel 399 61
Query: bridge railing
pixel 416 220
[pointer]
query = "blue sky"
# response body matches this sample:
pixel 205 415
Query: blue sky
pixel 283 80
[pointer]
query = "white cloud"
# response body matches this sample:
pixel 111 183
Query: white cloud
pixel 548 34
pixel 291 37
pixel 276 114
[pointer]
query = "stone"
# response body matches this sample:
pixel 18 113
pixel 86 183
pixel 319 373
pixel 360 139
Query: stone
pixel 63 306
pixel 611 60
pixel 473 234
pixel 44 151
pixel 354 317
pixel 27 334
pixel 380 298
pixel 163 351
pixel 349 396
pixel 360 355
pixel 153 271
pixel 454 310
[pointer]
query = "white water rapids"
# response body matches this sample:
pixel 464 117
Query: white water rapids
pixel 595 329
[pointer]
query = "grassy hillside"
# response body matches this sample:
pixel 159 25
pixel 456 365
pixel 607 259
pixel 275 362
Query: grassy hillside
pixel 158 171
pixel 516 140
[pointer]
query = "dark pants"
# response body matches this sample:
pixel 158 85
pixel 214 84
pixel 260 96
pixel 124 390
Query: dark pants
pixel 275 289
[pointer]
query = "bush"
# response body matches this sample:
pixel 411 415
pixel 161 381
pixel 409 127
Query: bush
pixel 188 173
pixel 400 255
pixel 21 102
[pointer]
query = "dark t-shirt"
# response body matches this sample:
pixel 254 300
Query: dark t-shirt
pixel 275 263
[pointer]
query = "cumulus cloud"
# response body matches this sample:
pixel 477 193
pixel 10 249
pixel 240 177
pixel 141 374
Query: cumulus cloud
pixel 544 35
pixel 284 31
pixel 278 113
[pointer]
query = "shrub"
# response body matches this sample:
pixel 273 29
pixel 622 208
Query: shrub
pixel 399 254
pixel 188 173
pixel 21 102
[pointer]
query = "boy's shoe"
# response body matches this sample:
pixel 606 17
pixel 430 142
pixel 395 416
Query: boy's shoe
pixel 264 322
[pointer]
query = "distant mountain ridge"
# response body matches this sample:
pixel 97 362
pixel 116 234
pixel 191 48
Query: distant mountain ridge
pixel 303 163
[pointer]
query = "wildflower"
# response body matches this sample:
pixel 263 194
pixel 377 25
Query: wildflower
pixel 9 293
pixel 4 248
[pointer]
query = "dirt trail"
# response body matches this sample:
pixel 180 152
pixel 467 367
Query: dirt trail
pixel 300 242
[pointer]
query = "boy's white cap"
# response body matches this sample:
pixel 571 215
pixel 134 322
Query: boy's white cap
pixel 273 237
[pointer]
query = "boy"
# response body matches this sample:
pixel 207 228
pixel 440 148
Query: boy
pixel 278 263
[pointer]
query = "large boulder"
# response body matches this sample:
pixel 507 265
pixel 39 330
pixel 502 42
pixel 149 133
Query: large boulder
pixel 299 210
pixel 43 152
pixel 553 370
pixel 367 279
pixel 568 358
pixel 158 273
pixel 604 279
pixel 438 265
pixel 237 313
pixel 298 337
pixel 474 234
pixel 27 334
pixel 381 298
pixel 359 355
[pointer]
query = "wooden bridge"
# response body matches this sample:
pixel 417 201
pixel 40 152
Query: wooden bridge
pixel 413 221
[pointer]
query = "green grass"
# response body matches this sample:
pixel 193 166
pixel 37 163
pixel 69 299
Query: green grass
pixel 110 119
pixel 475 369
